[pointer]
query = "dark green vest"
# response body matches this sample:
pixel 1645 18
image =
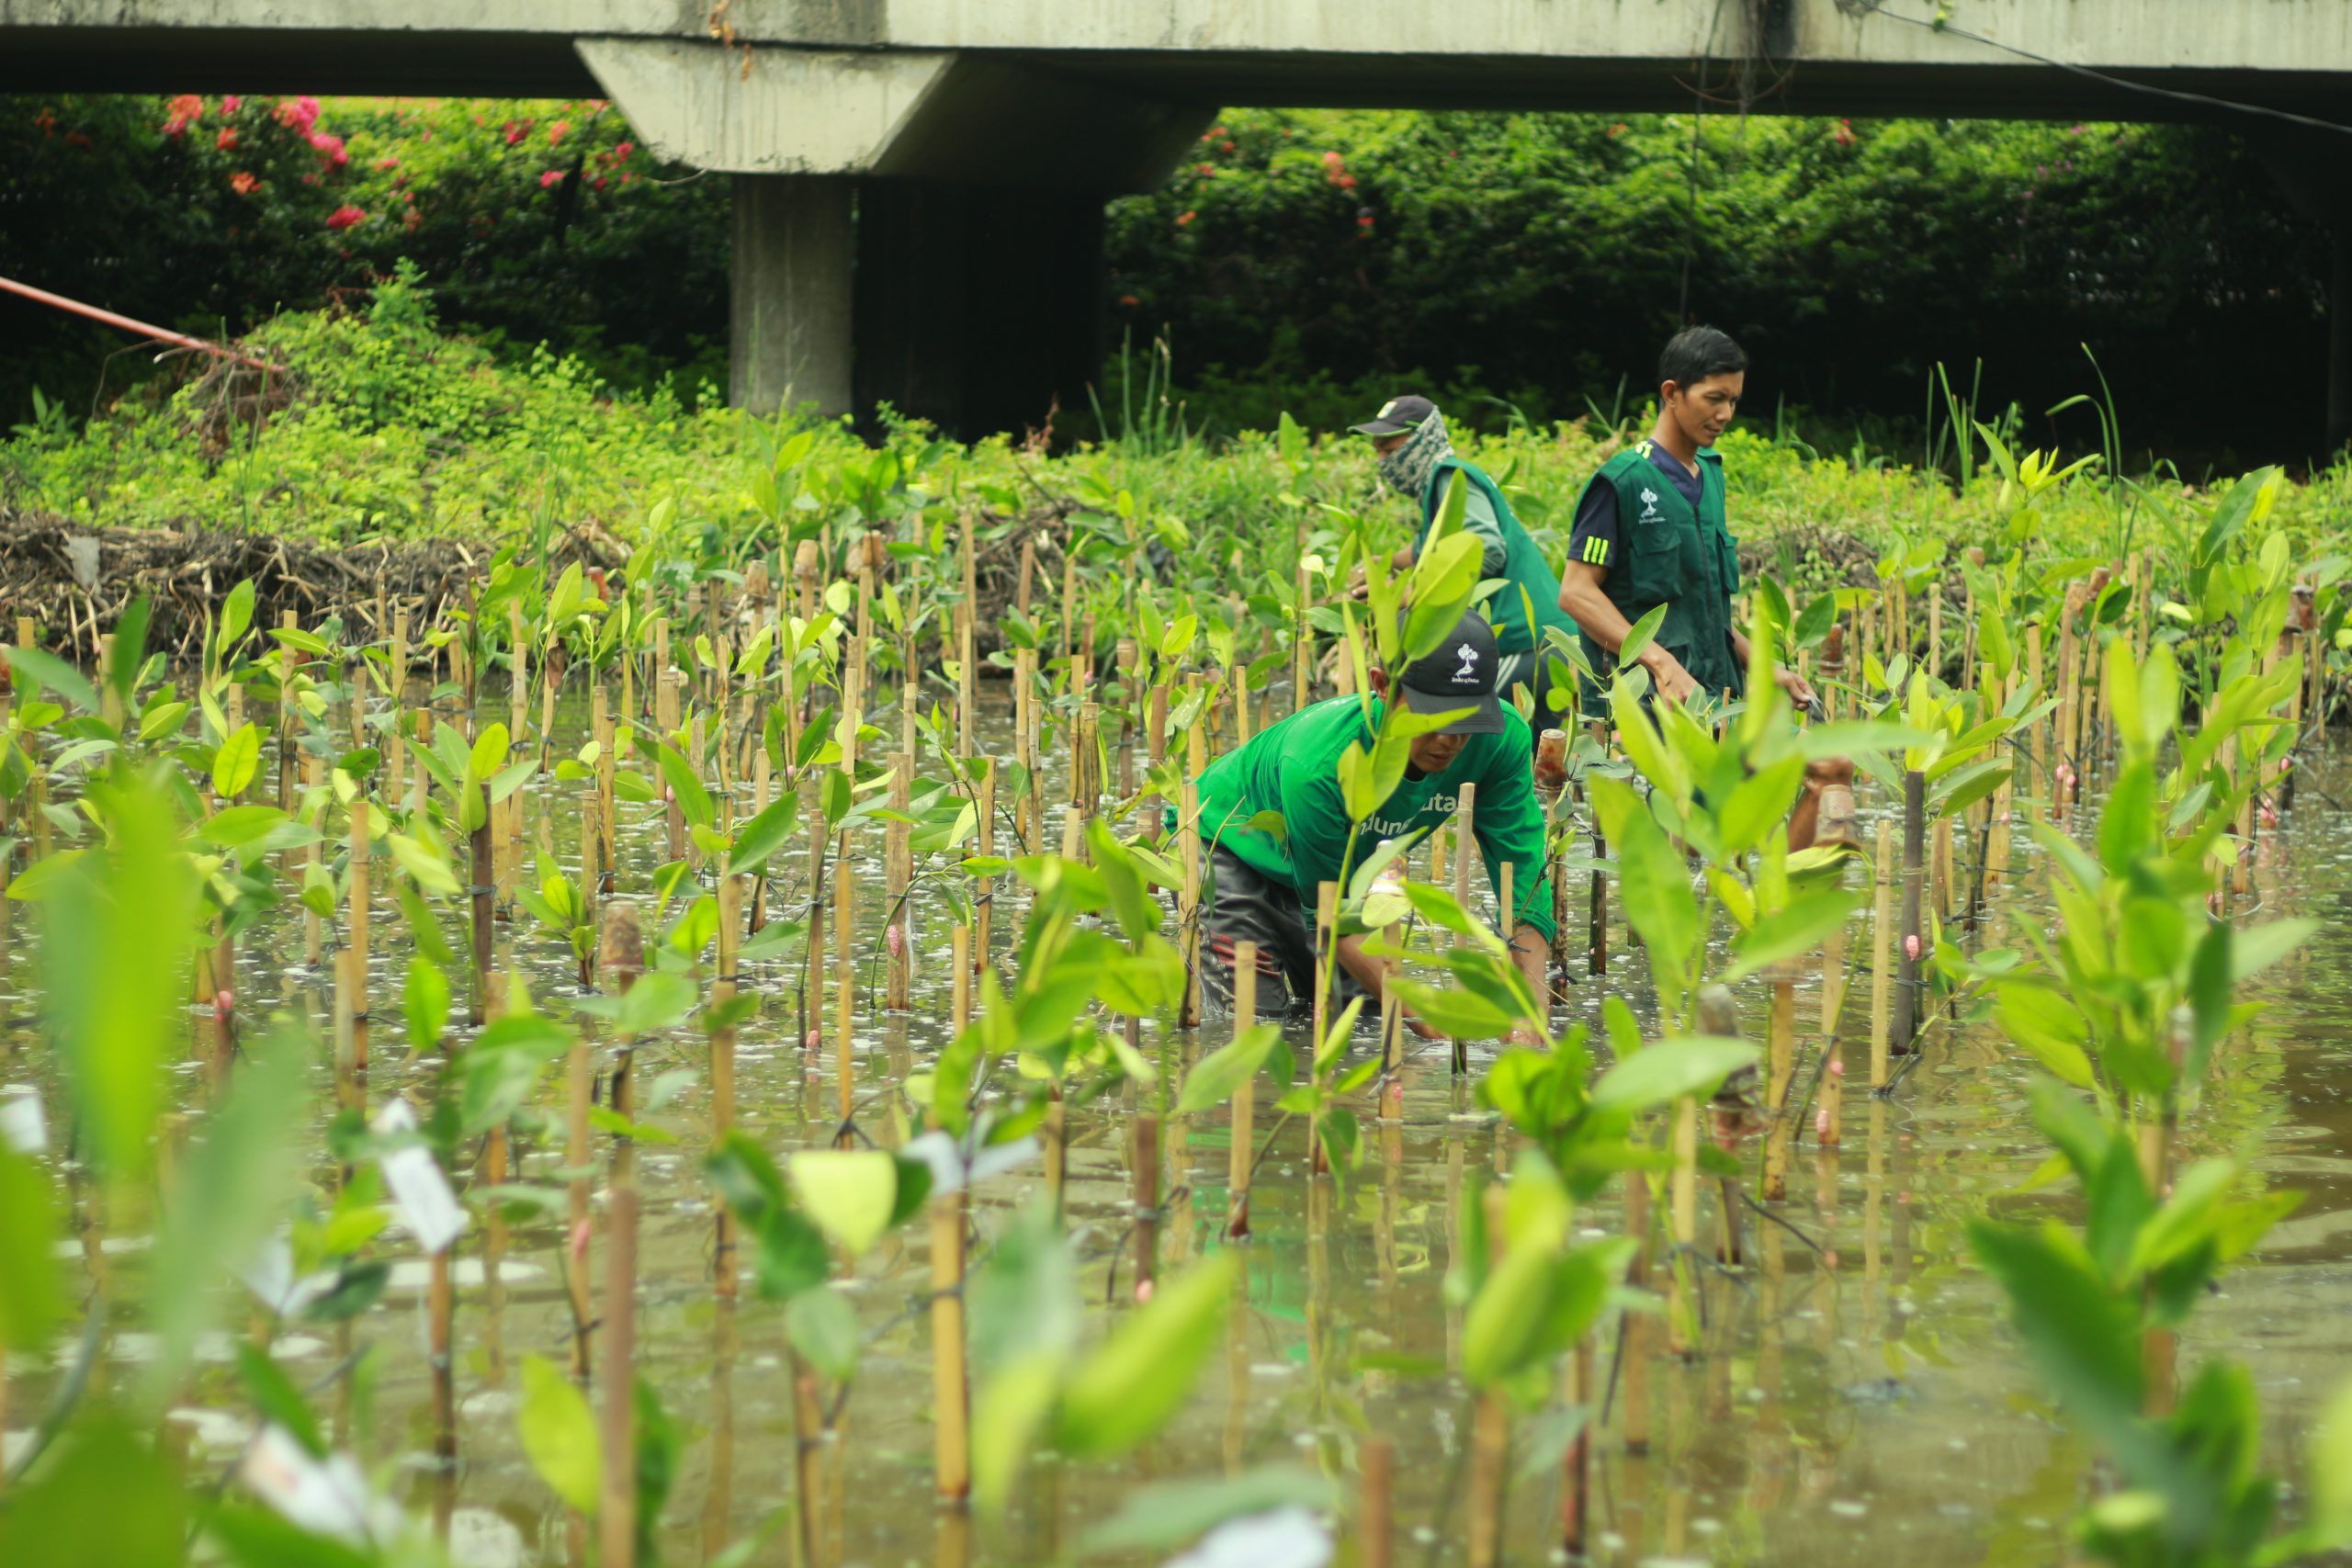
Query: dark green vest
pixel 1669 553
pixel 1529 582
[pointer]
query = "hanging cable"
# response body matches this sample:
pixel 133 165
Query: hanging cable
pixel 2178 95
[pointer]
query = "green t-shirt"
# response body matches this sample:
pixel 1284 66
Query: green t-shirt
pixel 1292 767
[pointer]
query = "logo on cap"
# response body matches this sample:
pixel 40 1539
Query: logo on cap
pixel 1468 673
pixel 1385 408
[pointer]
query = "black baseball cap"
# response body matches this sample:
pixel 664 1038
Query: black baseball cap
pixel 1458 674
pixel 1396 415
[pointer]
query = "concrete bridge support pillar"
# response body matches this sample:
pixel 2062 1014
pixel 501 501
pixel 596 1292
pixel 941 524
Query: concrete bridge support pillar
pixel 791 293
pixel 2311 171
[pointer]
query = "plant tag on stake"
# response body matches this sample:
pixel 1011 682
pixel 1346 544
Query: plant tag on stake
pixel 23 1127
pixel 269 1275
pixel 418 1191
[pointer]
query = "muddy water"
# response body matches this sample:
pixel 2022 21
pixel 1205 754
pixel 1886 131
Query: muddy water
pixel 1858 1399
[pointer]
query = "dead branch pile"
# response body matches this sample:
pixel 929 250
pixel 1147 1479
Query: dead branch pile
pixel 75 581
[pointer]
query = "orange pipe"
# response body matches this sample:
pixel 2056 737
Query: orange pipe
pixel 161 334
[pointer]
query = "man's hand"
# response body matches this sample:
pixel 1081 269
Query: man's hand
pixel 1358 587
pixel 1673 681
pixel 1800 690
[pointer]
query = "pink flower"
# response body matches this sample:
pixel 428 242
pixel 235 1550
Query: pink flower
pixel 1205 171
pixel 297 115
pixel 1346 181
pixel 621 152
pixel 388 162
pixel 232 104
pixel 243 183
pixel 1333 162
pixel 346 216
pixel 558 131
pixel 550 177
pixel 226 140
pixel 516 130
pixel 183 111
pixel 1129 301
pixel 332 147
pixel 1363 221
pixel 1184 218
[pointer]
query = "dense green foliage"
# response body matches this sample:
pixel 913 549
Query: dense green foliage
pixel 396 429
pixel 1544 256
pixel 538 221
pixel 1304 260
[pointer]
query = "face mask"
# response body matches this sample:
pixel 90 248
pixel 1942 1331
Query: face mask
pixel 1408 468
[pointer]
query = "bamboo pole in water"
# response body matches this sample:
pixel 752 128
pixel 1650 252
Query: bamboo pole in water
pixel 1490 1427
pixel 951 1425
pixel 897 875
pixel 1146 1204
pixel 1780 1051
pixel 1326 983
pixel 1597 944
pixel 722 1067
pixel 1245 1098
pixel 984 889
pixel 1830 1122
pixel 355 918
pixel 1882 951
pixel 315 776
pixel 1466 804
pixel 621 958
pixel 1188 905
pixel 1915 812
pixel 1376 1529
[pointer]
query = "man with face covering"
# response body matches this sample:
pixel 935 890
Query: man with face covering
pixel 1418 462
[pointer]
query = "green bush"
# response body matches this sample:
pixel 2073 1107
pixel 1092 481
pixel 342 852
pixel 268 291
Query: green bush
pixel 1541 257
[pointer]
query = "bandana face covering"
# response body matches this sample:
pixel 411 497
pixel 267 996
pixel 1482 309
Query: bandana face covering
pixel 1408 468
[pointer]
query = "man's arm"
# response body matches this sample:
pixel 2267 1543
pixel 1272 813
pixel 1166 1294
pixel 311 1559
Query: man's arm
pixel 1597 616
pixel 1509 822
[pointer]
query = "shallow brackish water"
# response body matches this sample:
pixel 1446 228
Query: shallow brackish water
pixel 1859 1397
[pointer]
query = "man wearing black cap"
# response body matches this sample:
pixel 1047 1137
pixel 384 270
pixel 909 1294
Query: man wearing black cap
pixel 1262 887
pixel 1418 462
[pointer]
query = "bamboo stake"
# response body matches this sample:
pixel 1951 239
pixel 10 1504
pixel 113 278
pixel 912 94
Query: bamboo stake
pixel 896 874
pixel 1632 1327
pixel 951 1421
pixel 1245 1099
pixel 1780 1047
pixel 315 776
pixel 1914 810
pixel 1489 1427
pixel 1829 1126
pixel 722 1066
pixel 1188 903
pixel 1881 951
pixel 1146 1204
pixel 1376 1531
pixel 621 960
pixel 984 889
pixel 1465 806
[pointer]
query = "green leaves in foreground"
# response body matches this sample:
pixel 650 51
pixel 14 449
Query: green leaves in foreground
pixel 1093 1407
pixel 560 1433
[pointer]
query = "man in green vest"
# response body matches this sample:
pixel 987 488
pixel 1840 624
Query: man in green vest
pixel 1651 530
pixel 1262 887
pixel 1419 463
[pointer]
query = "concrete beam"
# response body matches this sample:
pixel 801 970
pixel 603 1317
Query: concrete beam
pixel 1816 56
pixel 772 112
pixel 910 115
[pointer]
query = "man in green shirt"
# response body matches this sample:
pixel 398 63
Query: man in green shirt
pixel 1417 459
pixel 1262 887
pixel 1651 529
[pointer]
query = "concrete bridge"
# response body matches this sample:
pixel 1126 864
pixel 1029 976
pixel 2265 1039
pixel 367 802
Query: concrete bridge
pixel 919 184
